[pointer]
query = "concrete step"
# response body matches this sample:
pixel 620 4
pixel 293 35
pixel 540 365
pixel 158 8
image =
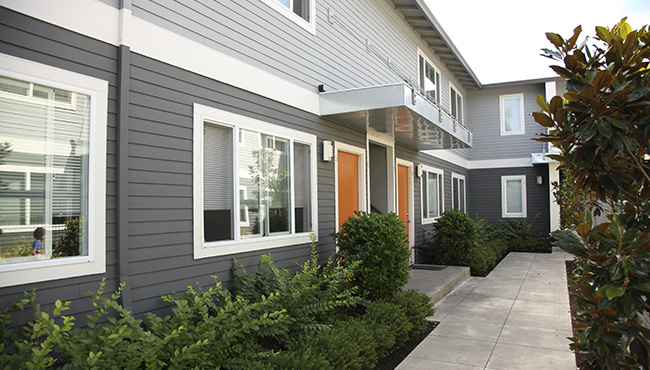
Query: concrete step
pixel 436 281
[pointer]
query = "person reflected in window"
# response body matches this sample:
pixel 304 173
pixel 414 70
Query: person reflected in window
pixel 39 237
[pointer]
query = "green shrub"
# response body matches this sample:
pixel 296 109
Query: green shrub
pixel 481 260
pixel 524 237
pixel 455 235
pixel 499 246
pixel 417 306
pixel 389 325
pixel 373 247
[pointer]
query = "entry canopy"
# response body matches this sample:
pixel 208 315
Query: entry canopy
pixel 396 111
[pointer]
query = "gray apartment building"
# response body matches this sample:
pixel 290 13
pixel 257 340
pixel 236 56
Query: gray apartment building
pixel 169 137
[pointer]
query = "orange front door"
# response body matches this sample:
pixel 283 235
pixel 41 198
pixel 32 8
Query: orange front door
pixel 403 195
pixel 348 185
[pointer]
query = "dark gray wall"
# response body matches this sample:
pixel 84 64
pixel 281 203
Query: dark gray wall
pixel 484 194
pixel 30 39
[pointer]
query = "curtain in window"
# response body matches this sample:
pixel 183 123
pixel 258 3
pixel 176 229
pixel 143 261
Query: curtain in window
pixel 514 195
pixel 512 114
pixel 302 185
pixel 217 182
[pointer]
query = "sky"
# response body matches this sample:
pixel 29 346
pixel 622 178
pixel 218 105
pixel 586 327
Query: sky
pixel 501 40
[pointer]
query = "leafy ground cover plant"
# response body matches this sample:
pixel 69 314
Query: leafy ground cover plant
pixel 275 319
pixel 376 243
pixel 602 125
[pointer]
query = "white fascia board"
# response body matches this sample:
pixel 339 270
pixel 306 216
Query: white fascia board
pixel 501 163
pixel 449 156
pixel 87 17
pixel 108 24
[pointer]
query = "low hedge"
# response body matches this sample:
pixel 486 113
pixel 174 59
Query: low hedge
pixel 313 319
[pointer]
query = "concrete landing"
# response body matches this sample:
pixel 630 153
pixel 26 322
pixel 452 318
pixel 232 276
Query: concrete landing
pixel 436 281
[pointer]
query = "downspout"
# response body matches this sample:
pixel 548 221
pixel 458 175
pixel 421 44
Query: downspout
pixel 122 214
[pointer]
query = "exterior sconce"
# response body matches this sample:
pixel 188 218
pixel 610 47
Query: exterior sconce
pixel 540 180
pixel 328 150
pixel 418 170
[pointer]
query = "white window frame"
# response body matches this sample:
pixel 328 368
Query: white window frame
pixel 504 197
pixel 459 107
pixel 436 72
pixel 95 262
pixel 522 116
pixel 453 191
pixel 309 26
pixel 204 113
pixel 441 193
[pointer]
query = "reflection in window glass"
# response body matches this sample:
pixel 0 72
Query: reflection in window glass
pixel 43 172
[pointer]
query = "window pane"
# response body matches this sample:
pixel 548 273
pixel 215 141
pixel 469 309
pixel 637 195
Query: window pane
pixel 514 196
pixel 251 181
pixel 217 183
pixel 512 114
pixel 43 172
pixel 302 185
pixel 459 113
pixel 432 191
pixel 278 183
pixel 461 195
pixel 429 80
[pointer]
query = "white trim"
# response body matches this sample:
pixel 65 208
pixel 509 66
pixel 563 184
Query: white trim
pixel 95 261
pixel 504 196
pixel 448 155
pixel 441 193
pixel 411 205
pixel 102 22
pixel 204 113
pixel 453 190
pixel 554 207
pixel 522 115
pixel 363 202
pixel 500 163
pixel 309 26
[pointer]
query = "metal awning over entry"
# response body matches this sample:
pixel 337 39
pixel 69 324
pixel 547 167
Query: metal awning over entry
pixel 396 111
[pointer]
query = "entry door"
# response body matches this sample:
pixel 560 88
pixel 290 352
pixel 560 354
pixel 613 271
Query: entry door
pixel 348 185
pixel 405 202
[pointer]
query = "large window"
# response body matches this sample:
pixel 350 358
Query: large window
pixel 429 78
pixel 456 104
pixel 458 192
pixel 432 194
pixel 299 11
pixel 52 172
pixel 272 169
pixel 512 114
pixel 513 196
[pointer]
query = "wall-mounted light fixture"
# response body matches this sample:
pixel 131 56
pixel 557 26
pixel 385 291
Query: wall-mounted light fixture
pixel 418 170
pixel 540 180
pixel 328 150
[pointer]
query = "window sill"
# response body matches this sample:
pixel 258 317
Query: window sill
pixel 216 249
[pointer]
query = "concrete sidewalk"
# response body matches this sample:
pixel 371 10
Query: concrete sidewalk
pixel 517 318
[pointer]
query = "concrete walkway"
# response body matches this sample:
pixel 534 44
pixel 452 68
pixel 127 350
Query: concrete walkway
pixel 517 318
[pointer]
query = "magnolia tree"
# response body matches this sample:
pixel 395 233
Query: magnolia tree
pixel 602 126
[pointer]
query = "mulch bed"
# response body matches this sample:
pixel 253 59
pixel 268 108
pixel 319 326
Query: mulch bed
pixel 391 361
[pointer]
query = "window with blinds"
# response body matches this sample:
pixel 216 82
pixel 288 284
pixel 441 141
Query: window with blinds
pixel 44 136
pixel 272 175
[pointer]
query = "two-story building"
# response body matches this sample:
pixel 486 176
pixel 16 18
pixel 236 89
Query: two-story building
pixel 175 136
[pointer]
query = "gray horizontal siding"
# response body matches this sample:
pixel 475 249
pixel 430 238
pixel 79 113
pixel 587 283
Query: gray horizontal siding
pixel 160 178
pixel 485 124
pixel 31 39
pixel 254 33
pixel 484 194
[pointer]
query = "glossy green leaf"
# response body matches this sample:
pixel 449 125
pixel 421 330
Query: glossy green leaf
pixel 555 39
pixel 541 102
pixel 604 128
pixel 643 287
pixel 543 119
